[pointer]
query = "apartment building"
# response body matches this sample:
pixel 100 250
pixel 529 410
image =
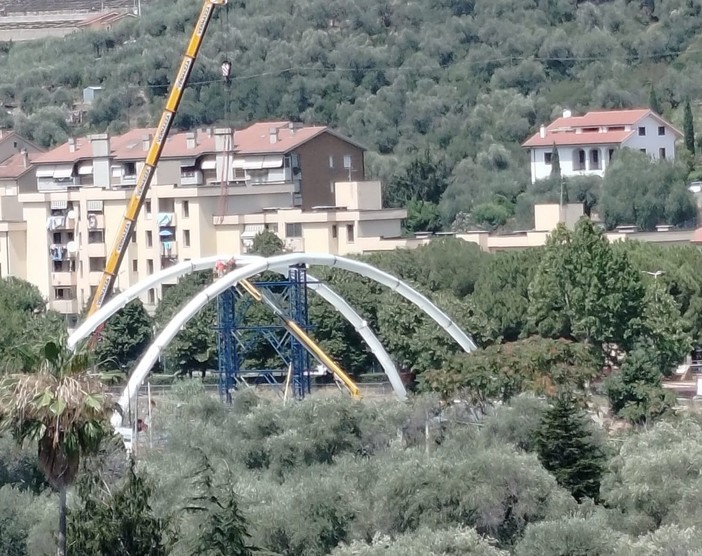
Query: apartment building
pixel 211 190
pixel 16 174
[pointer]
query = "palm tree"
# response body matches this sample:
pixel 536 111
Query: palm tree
pixel 58 404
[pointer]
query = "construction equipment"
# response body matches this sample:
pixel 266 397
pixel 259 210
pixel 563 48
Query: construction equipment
pixel 143 182
pixel 301 336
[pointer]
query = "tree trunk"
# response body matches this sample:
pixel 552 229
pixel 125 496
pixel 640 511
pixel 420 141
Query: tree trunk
pixel 62 522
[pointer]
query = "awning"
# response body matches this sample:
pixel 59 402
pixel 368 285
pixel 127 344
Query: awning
pixel 63 172
pixel 85 169
pixel 45 171
pixel 273 161
pixel 165 233
pixel 59 205
pixel 94 206
pixel 237 163
pixel 252 230
pixel 253 163
pixel 188 162
pixel 209 164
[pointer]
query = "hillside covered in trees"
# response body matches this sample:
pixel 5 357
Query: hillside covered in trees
pixel 441 91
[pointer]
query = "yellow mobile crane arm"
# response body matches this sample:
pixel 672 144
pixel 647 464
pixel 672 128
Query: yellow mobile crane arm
pixel 302 337
pixel 143 183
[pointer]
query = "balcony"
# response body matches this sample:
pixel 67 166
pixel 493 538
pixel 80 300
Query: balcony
pixel 97 250
pixel 59 222
pixel 169 249
pixel 96 221
pixel 65 306
pixel 64 279
pixel 94 277
pixel 191 178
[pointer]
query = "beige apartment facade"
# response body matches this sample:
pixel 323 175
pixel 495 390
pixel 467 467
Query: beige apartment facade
pixel 209 189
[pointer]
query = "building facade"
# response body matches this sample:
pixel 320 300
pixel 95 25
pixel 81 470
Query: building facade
pixel 586 144
pixel 212 192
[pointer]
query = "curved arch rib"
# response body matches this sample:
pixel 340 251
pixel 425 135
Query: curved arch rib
pixel 256 267
pixel 324 291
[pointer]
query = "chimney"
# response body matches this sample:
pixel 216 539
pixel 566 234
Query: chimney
pixel 146 142
pixel 100 144
pixel 224 139
pixel 209 132
pixel 25 157
pixel 273 135
pixel 567 113
pixel 71 144
pixel 294 126
pixel 542 131
pixel 190 140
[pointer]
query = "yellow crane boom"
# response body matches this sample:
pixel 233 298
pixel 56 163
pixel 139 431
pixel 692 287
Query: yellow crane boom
pixel 302 337
pixel 143 182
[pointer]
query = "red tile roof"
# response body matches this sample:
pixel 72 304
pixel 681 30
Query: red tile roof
pixel 602 118
pixel 254 139
pixel 562 130
pixel 14 167
pixel 572 138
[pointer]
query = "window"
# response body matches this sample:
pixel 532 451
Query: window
pixel 293 230
pixel 661 153
pixel 57 237
pixel 547 158
pixel 271 228
pixel 186 238
pixel 643 150
pixel 185 208
pixel 147 207
pixel 129 169
pixel 642 131
pixel 611 154
pixel 332 186
pixel 661 130
pixel 347 161
pixel 96 236
pixel 149 238
pixel 135 265
pixel 331 161
pixel 59 293
pixel 149 266
pixel 152 297
pixel 335 232
pixel 350 233
pixel 134 236
pixel 96 264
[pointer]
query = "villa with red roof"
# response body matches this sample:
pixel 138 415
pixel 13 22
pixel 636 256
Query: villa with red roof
pixel 586 144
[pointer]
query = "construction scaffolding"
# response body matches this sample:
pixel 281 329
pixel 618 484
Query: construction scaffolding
pixel 238 336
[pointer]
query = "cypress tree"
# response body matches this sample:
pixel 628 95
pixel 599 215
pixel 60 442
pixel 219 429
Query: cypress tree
pixel 568 449
pixel 555 162
pixel 653 102
pixel 689 128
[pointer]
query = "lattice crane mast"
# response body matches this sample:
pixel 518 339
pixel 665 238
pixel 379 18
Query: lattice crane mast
pixel 143 182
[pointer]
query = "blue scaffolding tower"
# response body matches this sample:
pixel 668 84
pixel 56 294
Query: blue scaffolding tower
pixel 237 338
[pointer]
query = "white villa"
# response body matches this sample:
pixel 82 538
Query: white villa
pixel 586 144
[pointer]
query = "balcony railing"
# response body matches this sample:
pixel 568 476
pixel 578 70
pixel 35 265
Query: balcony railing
pixel 191 178
pixel 65 306
pixel 169 249
pixel 97 250
pixel 64 278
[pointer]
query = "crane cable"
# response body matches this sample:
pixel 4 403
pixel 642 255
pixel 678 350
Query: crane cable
pixel 224 178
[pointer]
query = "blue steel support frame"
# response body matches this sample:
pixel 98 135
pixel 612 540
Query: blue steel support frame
pixel 228 356
pixel 297 276
pixel 234 336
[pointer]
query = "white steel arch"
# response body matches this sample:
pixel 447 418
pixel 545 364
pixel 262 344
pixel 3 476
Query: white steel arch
pixel 256 267
pixel 324 291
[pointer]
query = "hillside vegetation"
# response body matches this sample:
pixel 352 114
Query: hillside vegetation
pixel 441 91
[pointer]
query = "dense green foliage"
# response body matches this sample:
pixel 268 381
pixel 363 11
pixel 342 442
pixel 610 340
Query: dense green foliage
pixel 125 336
pixel 442 92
